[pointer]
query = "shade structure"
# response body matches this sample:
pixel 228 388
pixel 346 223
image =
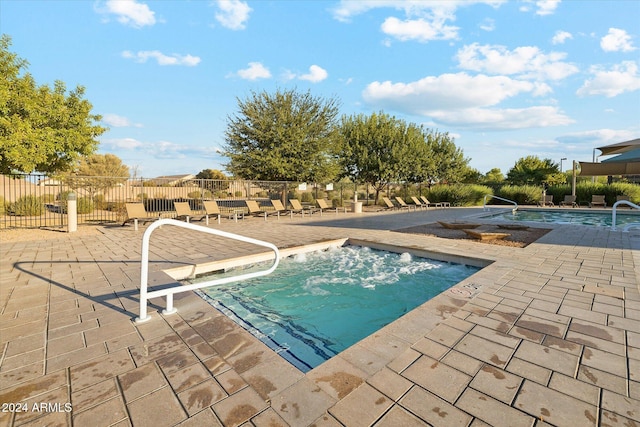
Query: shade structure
pixel 627 162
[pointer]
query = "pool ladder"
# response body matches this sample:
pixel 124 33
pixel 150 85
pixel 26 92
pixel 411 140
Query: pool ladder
pixel 488 196
pixel 614 213
pixel 145 294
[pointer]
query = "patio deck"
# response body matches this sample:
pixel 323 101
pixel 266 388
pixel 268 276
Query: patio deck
pixel 544 335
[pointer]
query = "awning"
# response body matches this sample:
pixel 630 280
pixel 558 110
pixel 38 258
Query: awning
pixel 609 168
pixel 620 147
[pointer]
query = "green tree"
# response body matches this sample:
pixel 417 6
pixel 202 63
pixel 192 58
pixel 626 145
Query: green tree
pixel 449 163
pixel 211 174
pixel 379 149
pixel 97 173
pixel 41 128
pixel 284 136
pixel 494 176
pixel 532 170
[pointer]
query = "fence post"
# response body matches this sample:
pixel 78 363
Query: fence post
pixel 72 213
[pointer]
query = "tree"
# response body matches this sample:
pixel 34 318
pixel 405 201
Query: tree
pixel 211 174
pixel 449 163
pixel 532 170
pixel 494 176
pixel 285 136
pixel 41 128
pixel 379 149
pixel 98 172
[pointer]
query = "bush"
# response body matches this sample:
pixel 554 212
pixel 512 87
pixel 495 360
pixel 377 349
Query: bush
pixel 48 198
pixel 307 197
pixel 27 206
pixel 4 206
pixel 584 191
pixel 336 202
pixel 84 205
pixel 206 194
pixel 459 194
pixel 521 194
pixel 99 202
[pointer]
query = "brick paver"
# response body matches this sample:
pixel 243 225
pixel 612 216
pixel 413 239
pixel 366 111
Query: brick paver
pixel 544 335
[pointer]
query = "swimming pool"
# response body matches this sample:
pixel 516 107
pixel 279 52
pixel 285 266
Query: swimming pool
pixel 579 217
pixel 317 304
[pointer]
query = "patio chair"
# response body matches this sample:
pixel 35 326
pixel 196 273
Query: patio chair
pixel 388 204
pixel 429 204
pixel 184 212
pixel 623 197
pixel 211 209
pixel 546 201
pixel 279 207
pixel 137 213
pixel 296 207
pixel 402 204
pixel 597 200
pixel 324 206
pixel 254 210
pixel 418 204
pixel 569 201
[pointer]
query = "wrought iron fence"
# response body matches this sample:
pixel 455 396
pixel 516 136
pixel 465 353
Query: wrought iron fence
pixel 37 200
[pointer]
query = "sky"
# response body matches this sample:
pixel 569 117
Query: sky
pixel 505 79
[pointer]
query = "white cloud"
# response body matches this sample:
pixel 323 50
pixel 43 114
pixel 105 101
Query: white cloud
pixel 418 29
pixel 463 100
pixel 546 7
pixel 560 37
pixel 621 78
pixel 122 143
pixel 597 137
pixel 255 71
pixel 161 58
pixel 117 121
pixel 617 40
pixel 488 25
pixel 316 74
pixel 349 8
pixel 524 61
pixel 233 14
pixel 130 12
pixel 159 149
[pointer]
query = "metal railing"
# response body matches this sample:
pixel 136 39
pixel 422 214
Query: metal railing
pixel 614 215
pixel 484 203
pixel 168 292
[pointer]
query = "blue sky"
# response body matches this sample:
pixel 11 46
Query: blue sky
pixel 506 79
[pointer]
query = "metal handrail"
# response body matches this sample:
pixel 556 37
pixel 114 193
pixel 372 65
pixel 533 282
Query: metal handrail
pixel 614 213
pixel 168 292
pixel 484 203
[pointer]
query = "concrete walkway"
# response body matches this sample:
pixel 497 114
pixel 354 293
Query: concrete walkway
pixel 544 335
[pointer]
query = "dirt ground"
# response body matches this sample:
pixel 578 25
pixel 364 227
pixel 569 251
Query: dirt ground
pixel 516 238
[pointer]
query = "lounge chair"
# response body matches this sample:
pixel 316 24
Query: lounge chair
pixel 296 207
pixel 279 207
pixel 137 213
pixel 623 197
pixel 402 204
pixel 388 204
pixel 569 201
pixel 211 209
pixel 255 210
pixel 429 204
pixel 184 212
pixel 546 201
pixel 324 206
pixel 418 204
pixel 597 200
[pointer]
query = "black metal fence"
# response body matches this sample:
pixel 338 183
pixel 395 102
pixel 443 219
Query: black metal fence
pixel 37 200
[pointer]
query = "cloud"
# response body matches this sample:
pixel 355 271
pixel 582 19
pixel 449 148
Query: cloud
pixel 255 71
pixel 463 100
pixel 621 78
pixel 418 29
pixel 546 7
pixel 597 137
pixel 130 12
pixel 161 58
pixel 525 61
pixel 488 25
pixel 117 121
pixel 316 74
pixel 159 149
pixel 617 41
pixel 560 37
pixel 121 143
pixel 233 14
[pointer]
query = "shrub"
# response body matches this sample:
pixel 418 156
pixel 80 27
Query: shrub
pixel 4 206
pixel 307 197
pixel 521 194
pixel 336 202
pixel 584 191
pixel 48 198
pixel 99 202
pixel 27 206
pixel 459 194
pixel 84 205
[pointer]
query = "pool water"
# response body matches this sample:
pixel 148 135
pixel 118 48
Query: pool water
pixel 569 217
pixel 317 304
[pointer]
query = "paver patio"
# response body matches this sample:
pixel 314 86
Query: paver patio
pixel 548 334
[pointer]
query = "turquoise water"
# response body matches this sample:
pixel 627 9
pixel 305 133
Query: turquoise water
pixel 570 217
pixel 316 305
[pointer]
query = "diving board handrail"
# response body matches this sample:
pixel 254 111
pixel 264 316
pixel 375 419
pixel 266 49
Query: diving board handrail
pixel 168 292
pixel 484 203
pixel 614 213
